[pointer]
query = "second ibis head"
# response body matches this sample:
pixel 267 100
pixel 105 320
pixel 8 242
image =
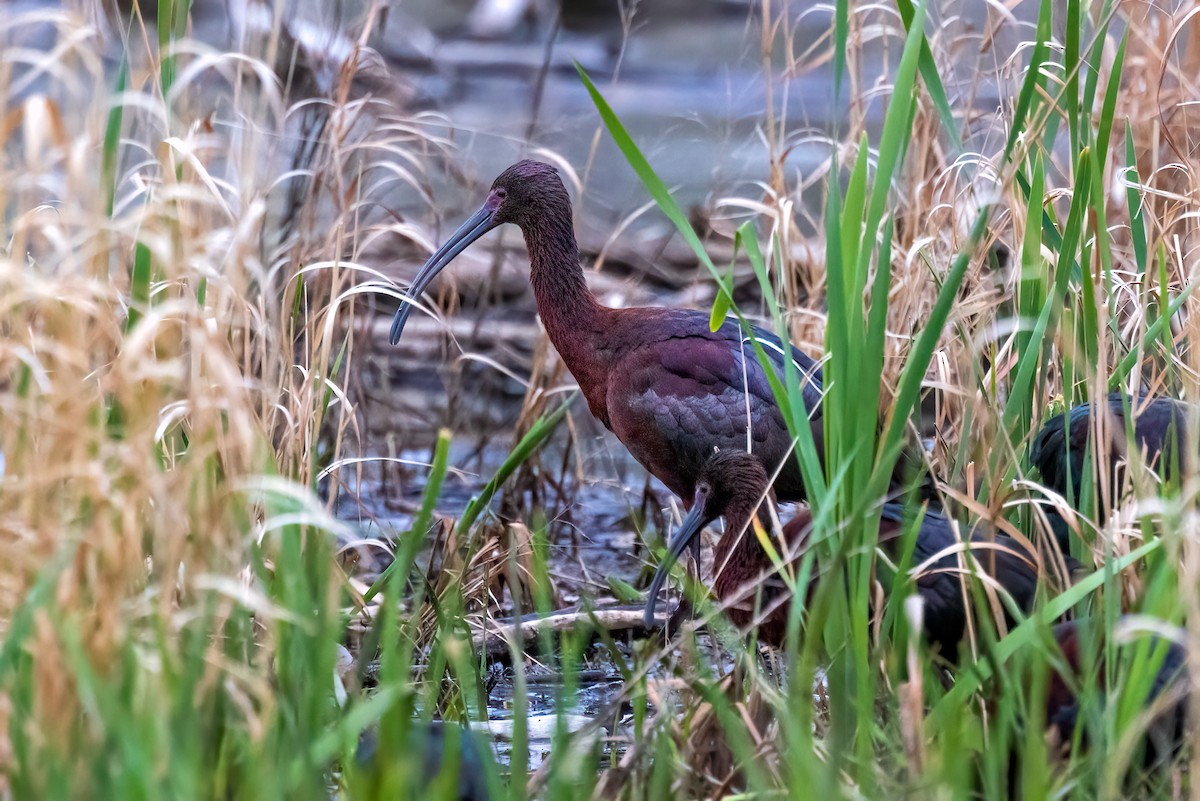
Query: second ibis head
pixel 731 485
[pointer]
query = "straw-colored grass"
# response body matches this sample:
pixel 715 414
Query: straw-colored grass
pixel 182 251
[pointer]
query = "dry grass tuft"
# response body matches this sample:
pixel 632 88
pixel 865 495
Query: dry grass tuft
pixel 178 293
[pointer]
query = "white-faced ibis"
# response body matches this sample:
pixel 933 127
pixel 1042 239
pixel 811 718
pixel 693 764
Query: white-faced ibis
pixel 732 485
pixel 1165 734
pixel 671 390
pixel 1059 448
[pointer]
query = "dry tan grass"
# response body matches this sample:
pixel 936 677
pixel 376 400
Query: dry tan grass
pixel 136 435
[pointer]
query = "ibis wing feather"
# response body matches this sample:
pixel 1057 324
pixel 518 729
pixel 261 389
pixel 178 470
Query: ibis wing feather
pixel 1059 448
pixel 680 390
pixel 1008 562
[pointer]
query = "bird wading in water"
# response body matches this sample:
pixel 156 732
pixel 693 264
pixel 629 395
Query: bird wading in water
pixel 672 390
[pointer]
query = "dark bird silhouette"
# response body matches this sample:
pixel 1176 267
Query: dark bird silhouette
pixel 733 485
pixel 1164 736
pixel 1059 448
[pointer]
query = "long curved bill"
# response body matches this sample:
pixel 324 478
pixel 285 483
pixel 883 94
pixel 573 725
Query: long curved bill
pixel 476 226
pixel 688 530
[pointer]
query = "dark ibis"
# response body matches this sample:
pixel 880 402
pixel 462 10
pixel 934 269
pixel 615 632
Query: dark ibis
pixel 1168 690
pixel 1058 450
pixel 670 389
pixel 733 485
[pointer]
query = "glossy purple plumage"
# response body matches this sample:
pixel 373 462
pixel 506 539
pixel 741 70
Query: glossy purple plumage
pixel 1159 429
pixel 1059 449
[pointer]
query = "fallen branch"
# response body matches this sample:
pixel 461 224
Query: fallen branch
pixel 496 637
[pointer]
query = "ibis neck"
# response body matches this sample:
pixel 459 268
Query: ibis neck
pixel 568 310
pixel 738 555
